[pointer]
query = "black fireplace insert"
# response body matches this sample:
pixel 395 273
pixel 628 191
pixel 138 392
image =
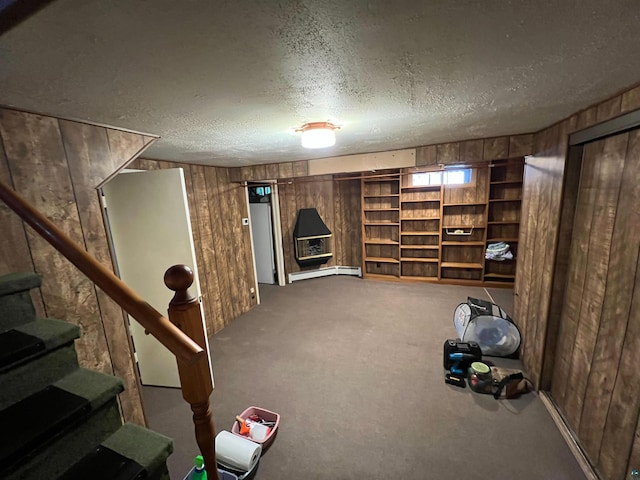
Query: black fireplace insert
pixel 311 239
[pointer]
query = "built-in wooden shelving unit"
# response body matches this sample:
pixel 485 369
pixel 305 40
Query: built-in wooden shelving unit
pixel 503 222
pixel 440 233
pixel 381 225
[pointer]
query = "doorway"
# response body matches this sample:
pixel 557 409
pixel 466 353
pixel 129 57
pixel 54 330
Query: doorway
pixel 262 232
pixel 148 224
pixel 266 234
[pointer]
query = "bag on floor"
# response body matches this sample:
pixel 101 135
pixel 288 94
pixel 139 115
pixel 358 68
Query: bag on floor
pixel 509 383
pixel 488 325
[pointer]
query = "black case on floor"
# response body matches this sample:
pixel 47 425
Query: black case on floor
pixel 457 346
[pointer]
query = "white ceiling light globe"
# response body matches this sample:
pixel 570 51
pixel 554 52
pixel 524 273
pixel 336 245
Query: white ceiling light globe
pixel 318 138
pixel 318 134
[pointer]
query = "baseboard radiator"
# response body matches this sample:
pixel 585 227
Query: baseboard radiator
pixel 324 272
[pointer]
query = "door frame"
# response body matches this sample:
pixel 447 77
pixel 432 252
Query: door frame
pixel 277 232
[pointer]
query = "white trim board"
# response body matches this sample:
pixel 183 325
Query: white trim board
pixel 324 272
pixel 363 162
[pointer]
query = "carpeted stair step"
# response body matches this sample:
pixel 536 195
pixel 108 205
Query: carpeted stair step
pixel 132 452
pixel 16 345
pixel 34 355
pixel 16 306
pixel 43 435
pixel 105 464
pixel 30 422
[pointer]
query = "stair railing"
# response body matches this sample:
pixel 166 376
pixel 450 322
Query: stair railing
pixel 185 339
pixel 196 378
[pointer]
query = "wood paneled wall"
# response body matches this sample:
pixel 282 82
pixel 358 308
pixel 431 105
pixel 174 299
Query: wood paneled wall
pixel 595 381
pixel 57 165
pixel 337 202
pixel 471 151
pixel 270 171
pixel 347 230
pixel 536 310
pixel 430 155
pixel 593 350
pixel 222 243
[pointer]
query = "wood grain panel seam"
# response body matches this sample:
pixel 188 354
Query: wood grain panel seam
pixel 529 225
pixel 213 190
pixel 607 287
pixel 195 234
pixel 617 371
pixel 81 122
pixel 609 411
pixel 551 343
pixel 24 227
pixel 608 261
pixel 542 213
pixel 84 244
pixel 580 203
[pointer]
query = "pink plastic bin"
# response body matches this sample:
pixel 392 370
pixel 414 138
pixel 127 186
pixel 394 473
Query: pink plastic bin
pixel 267 415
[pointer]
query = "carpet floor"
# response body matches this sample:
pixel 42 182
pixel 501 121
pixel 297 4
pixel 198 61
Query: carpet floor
pixel 354 367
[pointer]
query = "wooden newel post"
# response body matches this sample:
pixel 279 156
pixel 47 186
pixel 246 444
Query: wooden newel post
pixel 195 378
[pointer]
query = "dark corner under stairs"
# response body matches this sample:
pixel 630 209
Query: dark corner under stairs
pixel 60 421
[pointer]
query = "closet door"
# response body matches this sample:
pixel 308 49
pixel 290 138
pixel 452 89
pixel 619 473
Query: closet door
pixel 596 377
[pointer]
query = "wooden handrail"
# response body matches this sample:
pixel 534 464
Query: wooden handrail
pixel 196 378
pixel 183 347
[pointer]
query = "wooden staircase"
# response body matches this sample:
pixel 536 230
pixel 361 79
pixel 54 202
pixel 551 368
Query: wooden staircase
pixel 60 421
pixel 87 396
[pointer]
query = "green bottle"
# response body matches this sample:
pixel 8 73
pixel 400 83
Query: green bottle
pixel 199 473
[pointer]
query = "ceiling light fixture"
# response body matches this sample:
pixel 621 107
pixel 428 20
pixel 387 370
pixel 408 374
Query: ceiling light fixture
pixel 318 134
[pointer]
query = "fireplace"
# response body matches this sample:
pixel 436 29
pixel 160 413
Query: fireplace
pixel 311 239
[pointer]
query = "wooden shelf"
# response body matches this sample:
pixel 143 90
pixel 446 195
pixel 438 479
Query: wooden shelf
pixel 381 260
pixel 382 180
pixel 439 256
pixel 475 227
pixel 499 275
pixel 416 277
pixel 507 182
pixel 381 214
pixel 381 241
pixel 419 260
pixel 462 244
pixel 477 266
pixel 382 276
pixel 463 204
pixel 423 187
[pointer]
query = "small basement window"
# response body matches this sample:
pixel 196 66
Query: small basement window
pixel 447 177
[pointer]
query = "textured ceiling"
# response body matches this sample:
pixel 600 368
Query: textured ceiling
pixel 225 82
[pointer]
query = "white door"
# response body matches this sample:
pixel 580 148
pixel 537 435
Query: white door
pixel 262 233
pixel 148 218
